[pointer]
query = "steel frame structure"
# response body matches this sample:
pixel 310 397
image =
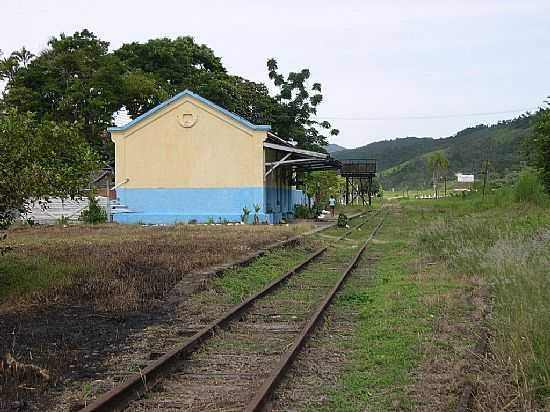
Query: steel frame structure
pixel 359 174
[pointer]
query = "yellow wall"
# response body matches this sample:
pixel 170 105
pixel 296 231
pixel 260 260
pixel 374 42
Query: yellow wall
pixel 189 145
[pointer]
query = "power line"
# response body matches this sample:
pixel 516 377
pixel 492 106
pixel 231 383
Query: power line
pixel 421 117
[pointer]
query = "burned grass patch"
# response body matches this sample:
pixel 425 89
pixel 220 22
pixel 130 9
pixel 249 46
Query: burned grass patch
pixel 118 268
pixel 71 296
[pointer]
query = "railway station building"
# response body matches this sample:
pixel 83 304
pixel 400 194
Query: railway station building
pixel 190 160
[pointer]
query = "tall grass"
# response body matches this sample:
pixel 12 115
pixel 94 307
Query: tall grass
pixel 509 245
pixel 529 188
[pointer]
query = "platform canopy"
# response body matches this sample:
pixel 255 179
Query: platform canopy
pixel 297 159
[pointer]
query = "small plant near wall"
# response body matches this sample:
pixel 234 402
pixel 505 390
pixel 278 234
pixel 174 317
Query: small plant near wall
pixel 210 220
pixel 63 220
pixel 257 209
pixel 342 220
pixel 244 216
pixel 94 213
pixel 303 212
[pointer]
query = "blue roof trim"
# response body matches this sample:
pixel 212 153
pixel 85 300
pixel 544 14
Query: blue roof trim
pixel 207 102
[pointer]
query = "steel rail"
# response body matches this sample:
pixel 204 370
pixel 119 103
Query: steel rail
pixel 260 400
pixel 138 384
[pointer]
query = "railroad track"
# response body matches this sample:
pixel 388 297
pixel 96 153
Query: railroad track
pixel 236 362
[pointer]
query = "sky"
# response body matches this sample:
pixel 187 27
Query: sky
pixel 388 69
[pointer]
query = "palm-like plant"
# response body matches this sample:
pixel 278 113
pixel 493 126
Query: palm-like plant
pixel 439 163
pixel 257 208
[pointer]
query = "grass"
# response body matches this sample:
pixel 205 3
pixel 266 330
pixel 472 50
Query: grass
pixel 392 324
pixel 24 277
pixel 119 267
pixel 509 246
pixel 240 283
pixel 419 315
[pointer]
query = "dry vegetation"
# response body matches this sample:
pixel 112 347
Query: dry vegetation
pixel 118 268
pixel 69 295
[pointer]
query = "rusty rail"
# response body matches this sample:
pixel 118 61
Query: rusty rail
pixel 260 400
pixel 138 384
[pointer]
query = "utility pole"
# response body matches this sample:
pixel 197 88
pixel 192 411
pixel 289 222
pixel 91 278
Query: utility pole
pixel 485 173
pixel 347 190
pixel 108 187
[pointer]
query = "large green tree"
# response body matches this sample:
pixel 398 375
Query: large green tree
pixel 540 145
pixel 40 158
pixel 163 67
pixel 300 103
pixel 180 64
pixel 75 79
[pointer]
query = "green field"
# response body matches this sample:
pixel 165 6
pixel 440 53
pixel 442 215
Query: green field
pixel 438 265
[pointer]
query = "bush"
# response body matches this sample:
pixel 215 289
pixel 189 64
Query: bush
pixel 94 213
pixel 302 212
pixel 342 220
pixel 529 188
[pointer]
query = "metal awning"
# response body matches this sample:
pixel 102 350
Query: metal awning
pixel 297 159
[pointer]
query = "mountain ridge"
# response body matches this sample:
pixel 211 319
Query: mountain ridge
pixel 333 147
pixel 402 162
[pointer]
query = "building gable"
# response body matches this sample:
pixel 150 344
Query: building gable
pixel 189 143
pixel 172 103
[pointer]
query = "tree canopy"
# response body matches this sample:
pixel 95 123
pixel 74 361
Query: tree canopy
pixel 75 79
pixel 79 80
pixel 300 104
pixel 320 185
pixel 40 158
pixel 540 146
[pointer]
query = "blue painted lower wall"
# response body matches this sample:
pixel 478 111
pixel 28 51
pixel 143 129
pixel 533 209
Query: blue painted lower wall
pixel 299 198
pixel 169 206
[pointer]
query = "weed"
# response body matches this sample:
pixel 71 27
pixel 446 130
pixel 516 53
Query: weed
pixel 354 298
pixel 94 213
pixel 257 209
pixel 63 220
pixel 342 220
pixel 244 216
pixel 87 391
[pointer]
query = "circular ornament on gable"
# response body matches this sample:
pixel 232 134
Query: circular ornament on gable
pixel 187 119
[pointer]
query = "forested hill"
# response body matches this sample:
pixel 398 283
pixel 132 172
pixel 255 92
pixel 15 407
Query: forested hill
pixel 403 163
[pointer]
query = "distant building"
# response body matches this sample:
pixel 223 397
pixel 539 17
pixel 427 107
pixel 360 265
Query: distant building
pixel 189 159
pixel 461 178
